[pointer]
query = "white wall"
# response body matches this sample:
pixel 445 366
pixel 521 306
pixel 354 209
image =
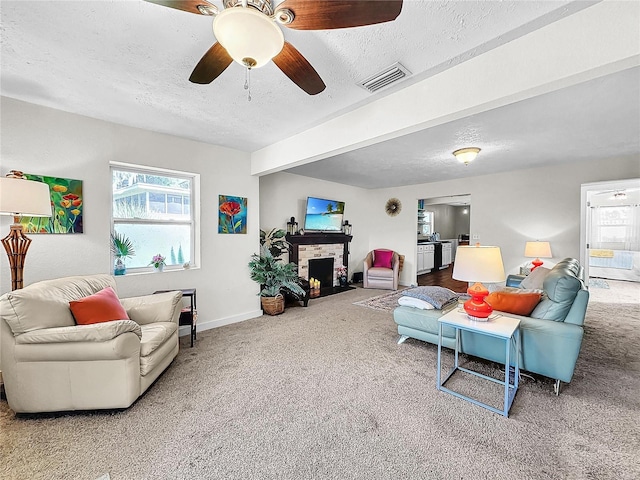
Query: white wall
pixel 508 208
pixel 49 142
pixel 284 195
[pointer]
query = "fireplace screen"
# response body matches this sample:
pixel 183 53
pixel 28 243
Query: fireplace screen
pixel 322 269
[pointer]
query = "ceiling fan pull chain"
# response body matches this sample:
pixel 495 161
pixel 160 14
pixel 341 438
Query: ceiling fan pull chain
pixel 247 84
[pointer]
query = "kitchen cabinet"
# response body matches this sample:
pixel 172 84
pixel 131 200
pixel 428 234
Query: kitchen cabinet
pixel 425 260
pixel 446 254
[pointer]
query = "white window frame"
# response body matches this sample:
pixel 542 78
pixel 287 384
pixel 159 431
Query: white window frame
pixel 194 208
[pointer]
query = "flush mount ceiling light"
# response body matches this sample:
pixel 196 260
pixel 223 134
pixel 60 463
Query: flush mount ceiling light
pixel 466 155
pixel 618 196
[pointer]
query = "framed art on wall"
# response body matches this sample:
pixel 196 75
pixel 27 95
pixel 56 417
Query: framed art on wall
pixel 66 207
pixel 232 214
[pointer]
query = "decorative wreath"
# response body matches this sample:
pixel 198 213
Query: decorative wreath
pixel 393 207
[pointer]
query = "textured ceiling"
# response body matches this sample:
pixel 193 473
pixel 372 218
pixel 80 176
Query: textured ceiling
pixel 593 120
pixel 129 62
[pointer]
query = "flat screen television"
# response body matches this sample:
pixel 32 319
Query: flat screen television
pixel 323 215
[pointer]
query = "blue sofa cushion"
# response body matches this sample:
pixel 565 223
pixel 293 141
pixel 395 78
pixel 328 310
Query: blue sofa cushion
pixel 560 287
pixel 436 296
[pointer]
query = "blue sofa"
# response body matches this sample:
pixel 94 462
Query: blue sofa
pixel 551 335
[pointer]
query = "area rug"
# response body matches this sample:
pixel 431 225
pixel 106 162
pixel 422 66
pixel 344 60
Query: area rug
pixel 598 283
pixel 386 303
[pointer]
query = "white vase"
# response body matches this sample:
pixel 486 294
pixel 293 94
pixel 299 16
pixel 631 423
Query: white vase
pixel 158 269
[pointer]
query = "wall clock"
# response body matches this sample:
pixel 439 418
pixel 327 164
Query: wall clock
pixel 393 207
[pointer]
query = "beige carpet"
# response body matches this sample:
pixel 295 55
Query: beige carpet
pixel 325 392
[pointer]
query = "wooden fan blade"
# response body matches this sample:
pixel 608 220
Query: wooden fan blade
pixel 329 14
pixel 299 70
pixel 211 65
pixel 190 6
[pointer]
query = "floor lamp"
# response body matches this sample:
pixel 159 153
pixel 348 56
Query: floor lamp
pixel 20 197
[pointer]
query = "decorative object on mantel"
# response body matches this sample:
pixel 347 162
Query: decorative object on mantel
pixel 18 197
pixel 393 207
pixel 478 264
pixel 122 248
pixel 292 226
pixel 346 227
pixel 232 214
pixel 66 206
pixel 157 262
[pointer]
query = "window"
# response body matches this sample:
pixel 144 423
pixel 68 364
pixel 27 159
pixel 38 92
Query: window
pixel 615 227
pixel 152 207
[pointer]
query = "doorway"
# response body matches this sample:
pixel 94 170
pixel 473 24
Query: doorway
pixel 610 231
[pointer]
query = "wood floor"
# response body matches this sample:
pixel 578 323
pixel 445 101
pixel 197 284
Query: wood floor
pixel 442 278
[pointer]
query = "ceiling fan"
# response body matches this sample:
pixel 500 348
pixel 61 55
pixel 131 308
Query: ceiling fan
pixel 248 31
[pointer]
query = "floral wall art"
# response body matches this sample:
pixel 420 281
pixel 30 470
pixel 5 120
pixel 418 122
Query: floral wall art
pixel 232 214
pixel 66 207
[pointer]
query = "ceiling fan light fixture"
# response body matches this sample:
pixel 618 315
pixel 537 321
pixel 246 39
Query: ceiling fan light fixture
pixel 207 9
pixel 251 38
pixel 466 155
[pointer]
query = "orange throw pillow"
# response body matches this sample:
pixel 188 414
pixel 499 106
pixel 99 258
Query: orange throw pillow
pixel 510 302
pixel 102 306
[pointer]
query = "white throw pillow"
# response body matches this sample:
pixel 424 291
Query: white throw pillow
pixel 415 303
pixel 535 279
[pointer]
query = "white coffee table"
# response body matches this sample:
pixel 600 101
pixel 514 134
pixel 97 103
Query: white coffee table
pixel 503 327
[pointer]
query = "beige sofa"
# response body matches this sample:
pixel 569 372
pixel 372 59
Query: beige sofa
pixel 51 364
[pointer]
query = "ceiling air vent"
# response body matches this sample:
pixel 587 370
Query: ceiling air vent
pixel 385 78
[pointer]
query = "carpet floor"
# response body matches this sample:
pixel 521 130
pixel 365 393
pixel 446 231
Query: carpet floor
pixel 325 392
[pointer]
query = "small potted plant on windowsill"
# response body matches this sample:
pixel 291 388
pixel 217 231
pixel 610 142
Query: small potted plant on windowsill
pixel 158 263
pixel 122 248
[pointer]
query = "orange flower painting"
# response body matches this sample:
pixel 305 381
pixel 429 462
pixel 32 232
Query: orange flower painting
pixel 66 207
pixel 232 214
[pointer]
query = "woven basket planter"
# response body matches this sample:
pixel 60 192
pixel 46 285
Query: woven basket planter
pixel 273 305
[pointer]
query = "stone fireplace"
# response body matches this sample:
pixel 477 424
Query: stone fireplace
pixel 306 249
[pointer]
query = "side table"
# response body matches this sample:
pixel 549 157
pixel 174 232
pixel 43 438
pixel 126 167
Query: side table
pixel 188 315
pixel 501 326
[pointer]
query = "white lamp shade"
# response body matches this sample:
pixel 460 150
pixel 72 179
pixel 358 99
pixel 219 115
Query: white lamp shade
pixel 21 197
pixel 248 34
pixel 537 250
pixel 478 264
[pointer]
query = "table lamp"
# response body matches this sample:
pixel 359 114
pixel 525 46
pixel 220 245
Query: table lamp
pixel 21 197
pixel 478 264
pixel 537 250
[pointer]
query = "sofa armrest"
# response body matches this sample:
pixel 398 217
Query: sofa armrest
pixel 368 262
pixel 97 332
pixel 514 280
pixel 161 307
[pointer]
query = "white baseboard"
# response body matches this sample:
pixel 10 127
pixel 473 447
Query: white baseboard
pixel 202 326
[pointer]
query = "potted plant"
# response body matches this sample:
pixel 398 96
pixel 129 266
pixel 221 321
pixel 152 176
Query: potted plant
pixel 342 275
pixel 274 277
pixel 158 262
pixel 274 241
pixel 122 248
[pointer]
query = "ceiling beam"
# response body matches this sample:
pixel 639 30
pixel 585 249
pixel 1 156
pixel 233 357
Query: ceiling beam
pixel 594 42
